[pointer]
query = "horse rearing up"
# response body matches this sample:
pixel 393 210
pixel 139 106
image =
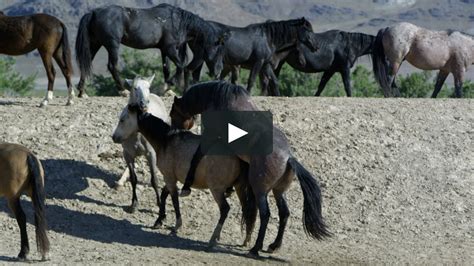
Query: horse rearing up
pixel 175 151
pixel 20 172
pixel 22 34
pixel 274 172
pixel 450 52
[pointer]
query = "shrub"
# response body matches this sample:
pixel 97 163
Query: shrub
pixel 11 82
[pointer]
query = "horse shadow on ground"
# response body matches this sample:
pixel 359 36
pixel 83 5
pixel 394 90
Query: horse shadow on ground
pixel 66 178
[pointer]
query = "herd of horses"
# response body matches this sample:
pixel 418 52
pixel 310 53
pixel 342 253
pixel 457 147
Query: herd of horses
pixel 146 128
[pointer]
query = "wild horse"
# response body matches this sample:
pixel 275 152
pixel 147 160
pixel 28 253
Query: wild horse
pixel 164 26
pixel 338 51
pixel 23 34
pixel 448 51
pixel 257 47
pixel 274 172
pixel 175 151
pixel 22 172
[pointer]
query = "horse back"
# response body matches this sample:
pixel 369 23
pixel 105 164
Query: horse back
pixel 14 172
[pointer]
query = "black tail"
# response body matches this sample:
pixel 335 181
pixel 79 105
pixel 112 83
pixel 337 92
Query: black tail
pixel 379 63
pixel 247 199
pixel 312 217
pixel 83 45
pixel 37 196
pixel 66 50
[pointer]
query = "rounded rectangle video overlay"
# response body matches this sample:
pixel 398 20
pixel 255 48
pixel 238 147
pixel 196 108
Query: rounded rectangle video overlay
pixel 237 133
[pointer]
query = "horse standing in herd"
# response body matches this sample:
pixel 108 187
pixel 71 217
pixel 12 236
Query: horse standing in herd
pixel 45 33
pixel 448 52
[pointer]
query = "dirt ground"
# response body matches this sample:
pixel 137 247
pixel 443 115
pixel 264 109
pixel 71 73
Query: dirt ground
pixel 397 178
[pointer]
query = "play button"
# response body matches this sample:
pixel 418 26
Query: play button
pixel 234 133
pixel 237 133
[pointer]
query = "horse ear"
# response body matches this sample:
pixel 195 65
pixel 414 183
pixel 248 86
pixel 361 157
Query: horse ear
pixel 150 79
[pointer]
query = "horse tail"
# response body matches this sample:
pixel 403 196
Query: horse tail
pixel 66 50
pixel 312 217
pixel 36 175
pixel 83 45
pixel 379 63
pixel 249 206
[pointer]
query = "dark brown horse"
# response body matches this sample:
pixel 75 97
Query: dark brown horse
pixel 21 172
pixel 22 34
pixel 274 172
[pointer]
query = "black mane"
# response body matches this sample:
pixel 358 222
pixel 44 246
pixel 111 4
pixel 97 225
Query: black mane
pixel 283 31
pixel 214 93
pixel 360 42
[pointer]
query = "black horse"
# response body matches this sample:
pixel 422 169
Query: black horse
pixel 338 51
pixel 256 47
pixel 164 26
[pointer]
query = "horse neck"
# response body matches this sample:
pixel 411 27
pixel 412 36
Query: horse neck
pixel 154 129
pixel 361 43
pixel 284 37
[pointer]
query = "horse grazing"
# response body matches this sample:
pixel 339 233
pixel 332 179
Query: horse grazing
pixel 136 144
pixel 22 34
pixel 338 51
pixel 448 51
pixel 175 150
pixel 274 172
pixel 21 171
pixel 260 46
pixel 164 26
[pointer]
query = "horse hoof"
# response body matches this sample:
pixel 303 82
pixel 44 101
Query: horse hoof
pixel 45 257
pixel 83 95
pixel 69 103
pixel 185 193
pixel 43 104
pixel 272 248
pixel 131 209
pixel 253 254
pixel 118 186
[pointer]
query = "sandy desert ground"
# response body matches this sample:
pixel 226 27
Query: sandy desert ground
pixel 397 177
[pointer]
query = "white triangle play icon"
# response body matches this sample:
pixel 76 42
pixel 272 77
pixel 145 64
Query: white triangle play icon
pixel 234 133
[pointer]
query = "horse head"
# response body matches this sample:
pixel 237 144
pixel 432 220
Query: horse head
pixel 140 91
pixel 180 118
pixel 305 35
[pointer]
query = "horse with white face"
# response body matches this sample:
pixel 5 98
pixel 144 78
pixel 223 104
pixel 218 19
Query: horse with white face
pixel 136 145
pixel 446 51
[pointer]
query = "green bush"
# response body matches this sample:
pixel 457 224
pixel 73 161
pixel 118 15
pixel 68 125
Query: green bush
pixel 11 82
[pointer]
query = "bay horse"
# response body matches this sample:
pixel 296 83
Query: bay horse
pixel 258 46
pixel 136 144
pixel 164 27
pixel 175 150
pixel 338 51
pixel 22 34
pixel 274 172
pixel 446 51
pixel 22 172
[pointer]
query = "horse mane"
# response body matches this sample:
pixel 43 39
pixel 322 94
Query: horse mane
pixel 451 31
pixel 215 94
pixel 282 31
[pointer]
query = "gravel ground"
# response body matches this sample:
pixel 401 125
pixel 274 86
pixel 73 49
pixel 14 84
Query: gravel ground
pixel 397 178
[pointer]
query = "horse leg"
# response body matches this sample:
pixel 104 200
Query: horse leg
pixel 46 56
pixel 346 79
pixel 82 81
pixel 134 181
pixel 66 73
pixel 15 206
pixel 175 199
pixel 197 74
pixel 166 70
pixel 125 176
pixel 327 75
pixel 458 81
pixel 283 214
pixel 151 157
pixel 224 208
pixel 442 75
pixel 273 80
pixel 264 83
pixel 257 67
pixel 264 211
pixel 162 214
pixel 234 77
pixel 113 51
